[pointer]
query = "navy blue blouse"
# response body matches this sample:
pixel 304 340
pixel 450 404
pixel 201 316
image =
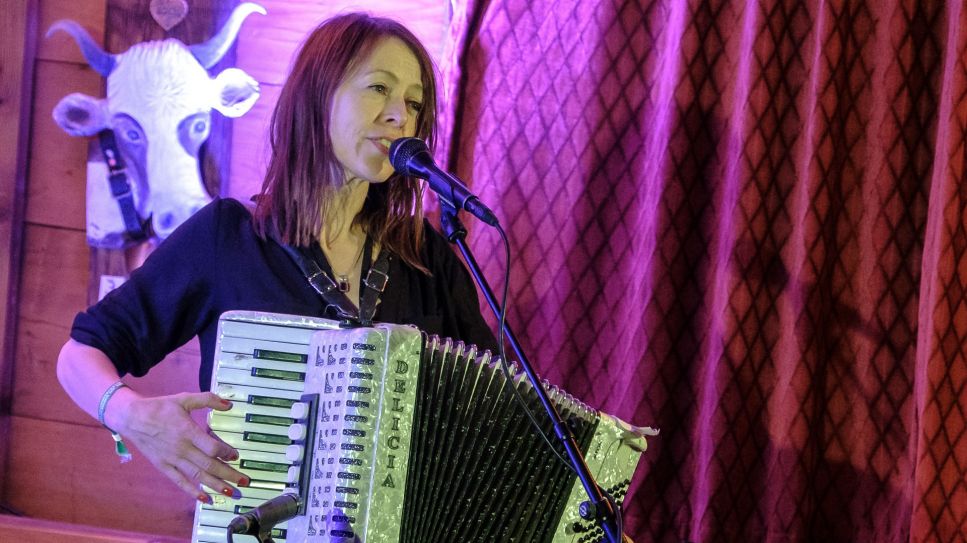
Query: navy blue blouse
pixel 215 262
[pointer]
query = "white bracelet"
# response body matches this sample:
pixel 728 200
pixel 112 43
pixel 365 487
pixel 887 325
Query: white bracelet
pixel 119 447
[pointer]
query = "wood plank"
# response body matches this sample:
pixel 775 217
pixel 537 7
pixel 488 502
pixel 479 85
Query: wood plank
pixel 69 473
pixel 55 275
pixel 17 49
pixel 29 529
pixel 38 394
pixel 61 47
pixel 56 191
pixel 251 147
pixel 54 283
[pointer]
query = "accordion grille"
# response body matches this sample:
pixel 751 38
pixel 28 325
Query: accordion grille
pixel 478 471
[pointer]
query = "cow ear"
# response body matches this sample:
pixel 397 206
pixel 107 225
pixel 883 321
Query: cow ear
pixel 81 115
pixel 234 92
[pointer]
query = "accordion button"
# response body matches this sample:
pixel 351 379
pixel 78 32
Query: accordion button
pixel 297 432
pixel 293 475
pixel 299 410
pixel 293 453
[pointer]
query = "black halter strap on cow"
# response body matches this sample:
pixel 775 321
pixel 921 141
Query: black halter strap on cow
pixel 322 282
pixel 135 228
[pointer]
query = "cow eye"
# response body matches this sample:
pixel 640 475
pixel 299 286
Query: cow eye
pixel 133 135
pixel 199 127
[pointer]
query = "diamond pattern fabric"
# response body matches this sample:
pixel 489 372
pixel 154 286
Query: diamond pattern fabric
pixel 742 222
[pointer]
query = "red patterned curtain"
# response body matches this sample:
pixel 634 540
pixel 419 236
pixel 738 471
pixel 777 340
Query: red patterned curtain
pixel 744 223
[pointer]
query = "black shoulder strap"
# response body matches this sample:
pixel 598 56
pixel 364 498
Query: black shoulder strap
pixel 375 284
pixel 322 283
pixel 319 281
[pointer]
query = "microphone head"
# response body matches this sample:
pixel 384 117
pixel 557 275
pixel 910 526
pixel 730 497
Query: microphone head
pixel 404 149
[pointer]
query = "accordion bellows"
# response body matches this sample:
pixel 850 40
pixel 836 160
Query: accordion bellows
pixel 414 438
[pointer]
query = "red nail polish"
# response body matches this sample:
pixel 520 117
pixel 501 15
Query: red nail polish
pixel 228 492
pixel 225 402
pixel 244 481
pixel 205 498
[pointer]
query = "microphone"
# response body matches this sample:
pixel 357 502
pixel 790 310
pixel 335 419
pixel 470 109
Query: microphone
pixel 264 517
pixel 410 156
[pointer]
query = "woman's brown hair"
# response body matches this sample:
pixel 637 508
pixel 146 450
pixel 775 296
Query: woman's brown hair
pixel 303 173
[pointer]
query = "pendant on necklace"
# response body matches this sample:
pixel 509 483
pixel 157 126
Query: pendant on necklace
pixel 342 283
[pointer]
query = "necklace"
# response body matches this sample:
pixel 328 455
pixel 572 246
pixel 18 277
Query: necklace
pixel 342 283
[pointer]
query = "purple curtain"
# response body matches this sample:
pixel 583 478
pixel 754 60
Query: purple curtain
pixel 744 223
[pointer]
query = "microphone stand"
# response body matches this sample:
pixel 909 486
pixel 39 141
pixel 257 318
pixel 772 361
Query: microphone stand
pixel 601 508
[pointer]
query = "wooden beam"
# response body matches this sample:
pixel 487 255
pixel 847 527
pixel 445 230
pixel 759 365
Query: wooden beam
pixel 17 49
pixel 69 473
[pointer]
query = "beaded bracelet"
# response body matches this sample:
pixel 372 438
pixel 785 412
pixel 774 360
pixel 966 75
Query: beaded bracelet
pixel 119 447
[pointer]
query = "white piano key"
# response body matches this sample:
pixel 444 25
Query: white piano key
pixel 289 332
pixel 247 362
pixel 237 440
pixel 219 422
pixel 242 377
pixel 248 346
pixel 223 518
pixel 212 533
pixel 263 456
pixel 240 392
pixel 241 408
pixel 251 497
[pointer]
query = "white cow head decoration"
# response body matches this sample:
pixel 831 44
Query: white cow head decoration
pixel 159 101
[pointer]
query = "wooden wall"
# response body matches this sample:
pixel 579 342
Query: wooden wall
pixel 16 77
pixel 57 463
pixel 61 465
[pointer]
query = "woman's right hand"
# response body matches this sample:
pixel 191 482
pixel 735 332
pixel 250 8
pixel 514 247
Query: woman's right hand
pixel 163 431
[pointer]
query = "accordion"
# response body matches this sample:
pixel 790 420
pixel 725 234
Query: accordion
pixel 392 435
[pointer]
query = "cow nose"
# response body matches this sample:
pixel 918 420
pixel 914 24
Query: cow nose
pixel 167 221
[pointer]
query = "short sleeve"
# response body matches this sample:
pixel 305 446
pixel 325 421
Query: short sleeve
pixel 164 303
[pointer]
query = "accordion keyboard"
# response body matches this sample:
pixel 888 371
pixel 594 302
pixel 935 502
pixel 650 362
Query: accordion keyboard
pixel 260 366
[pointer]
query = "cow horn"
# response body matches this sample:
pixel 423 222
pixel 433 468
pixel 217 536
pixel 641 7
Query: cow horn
pixel 209 53
pixel 102 62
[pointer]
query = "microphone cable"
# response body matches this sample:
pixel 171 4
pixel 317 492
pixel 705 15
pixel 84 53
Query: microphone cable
pixel 505 367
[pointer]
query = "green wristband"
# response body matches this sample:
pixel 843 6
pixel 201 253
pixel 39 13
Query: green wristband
pixel 120 449
pixel 101 407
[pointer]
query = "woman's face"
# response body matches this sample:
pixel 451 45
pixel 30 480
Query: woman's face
pixel 377 102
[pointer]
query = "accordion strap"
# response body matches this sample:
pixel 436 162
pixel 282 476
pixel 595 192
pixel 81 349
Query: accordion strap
pixel 370 288
pixel 375 284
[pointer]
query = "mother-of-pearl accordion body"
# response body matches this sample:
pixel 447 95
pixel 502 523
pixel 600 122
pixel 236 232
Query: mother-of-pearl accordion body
pixel 413 438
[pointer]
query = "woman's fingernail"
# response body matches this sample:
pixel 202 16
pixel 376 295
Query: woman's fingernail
pixel 205 498
pixel 224 402
pixel 231 492
pixel 244 481
pixel 233 455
